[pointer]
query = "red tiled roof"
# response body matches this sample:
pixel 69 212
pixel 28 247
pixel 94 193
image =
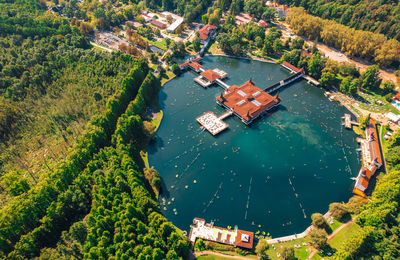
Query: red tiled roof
pixel 210 75
pixel 304 53
pixel 374 144
pixel 241 242
pixel 205 31
pixel 397 96
pixel 287 64
pixel 158 24
pixel 262 23
pixel 248 101
pixel 187 63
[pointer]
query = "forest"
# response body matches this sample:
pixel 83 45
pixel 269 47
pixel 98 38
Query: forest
pixel 84 194
pixel 355 43
pixel 381 17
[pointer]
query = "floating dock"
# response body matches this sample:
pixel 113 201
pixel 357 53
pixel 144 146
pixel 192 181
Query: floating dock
pixel 212 123
pixel 348 122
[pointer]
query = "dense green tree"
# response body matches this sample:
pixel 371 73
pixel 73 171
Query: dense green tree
pixel 318 237
pixel 370 79
pixel 286 252
pixel 318 220
pixel 261 247
pixel 196 44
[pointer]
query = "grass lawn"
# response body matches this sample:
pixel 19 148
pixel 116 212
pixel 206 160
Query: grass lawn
pixel 371 105
pixel 159 44
pixel 343 235
pixel 335 224
pixel 300 253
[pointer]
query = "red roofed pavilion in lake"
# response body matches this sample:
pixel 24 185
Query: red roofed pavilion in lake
pixel 247 101
pixel 210 75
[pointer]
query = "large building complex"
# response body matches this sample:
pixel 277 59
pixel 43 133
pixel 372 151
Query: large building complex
pixel 247 101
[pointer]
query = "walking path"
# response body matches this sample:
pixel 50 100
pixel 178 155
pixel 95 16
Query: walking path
pixel 295 236
pixel 332 235
pixel 225 255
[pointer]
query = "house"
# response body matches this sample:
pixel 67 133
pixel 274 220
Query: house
pixel 158 24
pixel 397 96
pixel 393 118
pixel 206 32
pixel 263 23
pixel 243 18
pixel 147 18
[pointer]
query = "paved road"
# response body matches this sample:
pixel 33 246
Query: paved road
pixel 337 55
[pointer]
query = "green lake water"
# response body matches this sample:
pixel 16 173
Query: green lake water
pixel 274 173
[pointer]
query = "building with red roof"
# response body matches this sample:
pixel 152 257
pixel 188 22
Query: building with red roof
pixel 206 32
pixel 292 68
pixel 193 63
pixel 372 158
pixel 210 75
pixel 397 96
pixel 158 24
pixel 247 101
pixel 262 23
pixel 207 231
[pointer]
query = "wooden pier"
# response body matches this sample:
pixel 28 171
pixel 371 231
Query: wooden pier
pixel 348 122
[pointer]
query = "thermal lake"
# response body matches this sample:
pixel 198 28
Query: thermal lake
pixel 269 176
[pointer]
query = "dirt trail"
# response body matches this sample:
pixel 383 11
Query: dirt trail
pixel 207 252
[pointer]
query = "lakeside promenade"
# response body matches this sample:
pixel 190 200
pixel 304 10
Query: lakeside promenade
pixel 296 236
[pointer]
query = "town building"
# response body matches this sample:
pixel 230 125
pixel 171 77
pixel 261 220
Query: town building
pixel 207 231
pixel 158 24
pixel 263 23
pixel 371 158
pixel 243 18
pixel 206 32
pixel 397 96
pixel 173 26
pixel 393 117
pixel 146 18
pixel 248 102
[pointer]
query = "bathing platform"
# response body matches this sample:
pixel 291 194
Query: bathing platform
pixel 347 121
pixel 213 123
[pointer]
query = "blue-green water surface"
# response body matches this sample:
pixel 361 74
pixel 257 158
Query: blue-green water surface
pixel 270 176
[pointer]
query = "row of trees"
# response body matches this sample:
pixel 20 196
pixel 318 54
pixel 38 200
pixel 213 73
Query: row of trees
pixel 375 16
pixel 368 45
